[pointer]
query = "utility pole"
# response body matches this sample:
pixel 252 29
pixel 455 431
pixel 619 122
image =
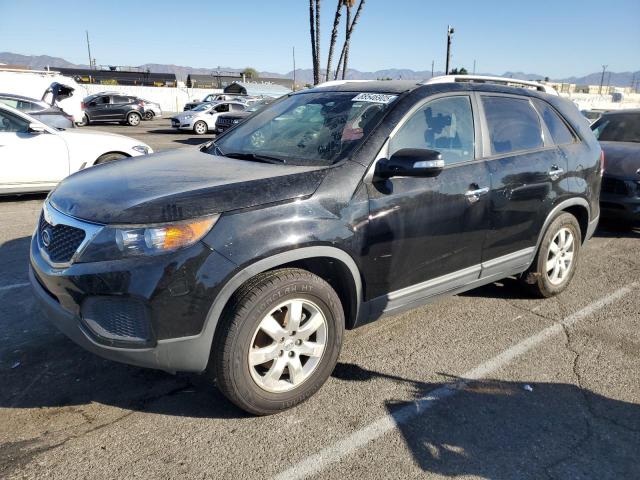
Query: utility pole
pixel 474 66
pixel 432 64
pixel 294 69
pixel 91 65
pixel 449 34
pixel 604 67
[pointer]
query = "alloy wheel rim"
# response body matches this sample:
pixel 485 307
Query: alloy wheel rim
pixel 199 128
pixel 134 120
pixel 560 256
pixel 288 345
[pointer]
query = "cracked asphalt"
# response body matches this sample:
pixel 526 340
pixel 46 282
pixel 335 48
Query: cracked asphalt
pixel 567 406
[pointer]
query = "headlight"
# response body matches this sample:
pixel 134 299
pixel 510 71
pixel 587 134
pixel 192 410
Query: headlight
pixel 187 117
pixel 117 242
pixel 143 149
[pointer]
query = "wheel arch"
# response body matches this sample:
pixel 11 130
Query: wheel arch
pixel 578 207
pixel 95 162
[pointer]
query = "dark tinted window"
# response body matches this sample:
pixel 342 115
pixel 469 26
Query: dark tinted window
pixel 224 107
pixel 618 128
pixel 557 127
pixel 513 124
pixel 12 123
pixel 118 99
pixel 445 125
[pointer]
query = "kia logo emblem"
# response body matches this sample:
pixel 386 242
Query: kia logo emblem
pixel 46 238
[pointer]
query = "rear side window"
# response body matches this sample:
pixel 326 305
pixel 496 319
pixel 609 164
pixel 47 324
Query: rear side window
pixel 513 124
pixel 117 99
pixel 557 127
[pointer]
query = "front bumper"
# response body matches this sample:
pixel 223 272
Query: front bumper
pixel 176 292
pixel 619 207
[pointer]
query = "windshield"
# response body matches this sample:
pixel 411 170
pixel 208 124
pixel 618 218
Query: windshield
pixel 200 108
pixel 621 127
pixel 315 129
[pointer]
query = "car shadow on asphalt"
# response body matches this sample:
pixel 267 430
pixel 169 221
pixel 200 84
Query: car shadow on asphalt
pixel 503 430
pixel 610 229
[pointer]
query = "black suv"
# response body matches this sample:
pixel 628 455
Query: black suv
pixel 248 257
pixel 112 107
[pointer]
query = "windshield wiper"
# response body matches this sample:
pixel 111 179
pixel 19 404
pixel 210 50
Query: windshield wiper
pixel 254 157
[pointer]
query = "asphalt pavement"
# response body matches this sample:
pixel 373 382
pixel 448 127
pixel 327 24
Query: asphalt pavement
pixel 488 384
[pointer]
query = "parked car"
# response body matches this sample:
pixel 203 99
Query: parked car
pixel 35 157
pixel 231 119
pixel 619 135
pixel 203 118
pixel 151 109
pixel 50 115
pixel 112 107
pixel 248 257
pixel 213 97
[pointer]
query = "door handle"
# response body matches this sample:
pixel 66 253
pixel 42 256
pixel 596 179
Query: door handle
pixel 555 172
pixel 474 195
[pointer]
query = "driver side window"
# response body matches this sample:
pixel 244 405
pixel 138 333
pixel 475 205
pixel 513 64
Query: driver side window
pixel 445 125
pixel 11 123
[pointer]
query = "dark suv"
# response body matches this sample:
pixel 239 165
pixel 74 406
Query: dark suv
pixel 112 107
pixel 247 258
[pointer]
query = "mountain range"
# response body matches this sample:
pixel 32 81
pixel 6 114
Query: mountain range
pixel 38 62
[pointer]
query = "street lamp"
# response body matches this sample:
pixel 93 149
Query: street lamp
pixel 449 35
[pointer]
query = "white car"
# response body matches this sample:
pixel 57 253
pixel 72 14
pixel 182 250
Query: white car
pixel 203 118
pixel 35 157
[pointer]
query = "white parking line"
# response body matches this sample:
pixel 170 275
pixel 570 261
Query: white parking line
pixel 360 438
pixel 11 287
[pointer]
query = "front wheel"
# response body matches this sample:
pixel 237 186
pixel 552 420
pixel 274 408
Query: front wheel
pixel 148 115
pixel 200 127
pixel 133 119
pixel 84 122
pixel 109 157
pixel 278 341
pixel 557 257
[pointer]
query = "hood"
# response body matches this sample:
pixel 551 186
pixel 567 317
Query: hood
pixel 181 116
pixel 99 138
pixel 622 159
pixel 178 185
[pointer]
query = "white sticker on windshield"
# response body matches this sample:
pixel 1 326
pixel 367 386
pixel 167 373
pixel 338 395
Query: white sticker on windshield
pixel 374 98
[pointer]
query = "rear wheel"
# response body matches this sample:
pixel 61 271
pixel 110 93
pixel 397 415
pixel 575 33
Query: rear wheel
pixel 109 157
pixel 133 119
pixel 200 127
pixel 557 257
pixel 278 341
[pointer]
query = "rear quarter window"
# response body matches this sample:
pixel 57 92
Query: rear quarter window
pixel 560 132
pixel 513 124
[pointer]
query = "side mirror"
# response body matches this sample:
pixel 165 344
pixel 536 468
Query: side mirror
pixel 410 162
pixel 36 129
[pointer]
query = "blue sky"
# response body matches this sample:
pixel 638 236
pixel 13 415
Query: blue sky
pixel 557 39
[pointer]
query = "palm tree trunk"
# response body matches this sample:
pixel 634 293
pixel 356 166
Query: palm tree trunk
pixel 345 48
pixel 314 51
pixel 317 66
pixel 334 37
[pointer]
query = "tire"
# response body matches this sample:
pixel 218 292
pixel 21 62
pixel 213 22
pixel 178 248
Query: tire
pixel 265 302
pixel 133 119
pixel 109 157
pixel 200 127
pixel 84 122
pixel 148 115
pixel 555 263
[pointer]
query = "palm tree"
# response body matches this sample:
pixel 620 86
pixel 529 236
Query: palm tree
pixel 314 50
pixel 344 56
pixel 334 36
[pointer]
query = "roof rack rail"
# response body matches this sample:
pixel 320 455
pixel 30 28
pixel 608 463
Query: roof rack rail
pixel 333 83
pixel 510 82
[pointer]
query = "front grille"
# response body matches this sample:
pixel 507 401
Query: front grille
pixel 117 319
pixel 615 186
pixel 63 240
